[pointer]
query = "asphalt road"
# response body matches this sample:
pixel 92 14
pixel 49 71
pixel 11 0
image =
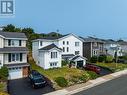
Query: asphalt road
pixel 117 86
pixel 23 87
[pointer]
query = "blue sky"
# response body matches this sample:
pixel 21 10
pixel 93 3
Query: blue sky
pixel 103 18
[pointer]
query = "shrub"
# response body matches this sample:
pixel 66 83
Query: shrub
pixel 64 62
pixel 3 73
pixel 61 81
pixel 92 74
pixel 109 59
pixel 85 77
pixel 93 59
pixel 102 58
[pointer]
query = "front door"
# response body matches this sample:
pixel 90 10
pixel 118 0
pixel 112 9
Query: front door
pixel 79 64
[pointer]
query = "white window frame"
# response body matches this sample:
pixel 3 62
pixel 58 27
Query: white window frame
pixel 54 55
pixel 63 42
pixel 67 42
pixel 67 49
pixel 53 64
pixel 41 43
pixel 77 53
pixel 63 49
pixel 77 44
pixel 16 57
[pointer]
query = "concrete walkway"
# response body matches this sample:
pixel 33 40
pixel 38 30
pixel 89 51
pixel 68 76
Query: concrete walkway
pixel 91 83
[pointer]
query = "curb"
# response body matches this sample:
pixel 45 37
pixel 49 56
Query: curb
pixel 93 83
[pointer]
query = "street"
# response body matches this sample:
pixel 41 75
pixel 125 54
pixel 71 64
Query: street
pixel 117 86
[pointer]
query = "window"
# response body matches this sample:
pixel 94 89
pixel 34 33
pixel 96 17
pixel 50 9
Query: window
pixel 76 43
pixel 63 42
pixel 41 43
pixel 67 42
pixel 53 55
pixel 53 64
pixel 12 42
pixel 14 57
pixel 67 49
pixel 63 49
pixel 76 52
pixel 20 43
pixel 9 42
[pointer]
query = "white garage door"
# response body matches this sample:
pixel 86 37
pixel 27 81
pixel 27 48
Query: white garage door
pixel 15 73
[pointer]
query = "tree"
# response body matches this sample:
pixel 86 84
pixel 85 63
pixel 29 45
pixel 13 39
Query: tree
pixel 93 59
pixel 9 28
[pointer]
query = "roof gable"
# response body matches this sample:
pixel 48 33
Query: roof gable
pixel 71 35
pixel 49 47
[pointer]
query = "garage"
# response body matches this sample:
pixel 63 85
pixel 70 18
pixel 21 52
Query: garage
pixel 15 73
pixel 79 64
pixel 78 61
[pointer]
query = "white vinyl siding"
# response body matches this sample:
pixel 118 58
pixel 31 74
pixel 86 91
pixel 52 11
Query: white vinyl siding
pixel 14 43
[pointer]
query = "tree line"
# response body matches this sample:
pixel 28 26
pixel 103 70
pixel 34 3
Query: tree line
pixel 30 33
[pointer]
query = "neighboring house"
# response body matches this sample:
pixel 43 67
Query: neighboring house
pixel 123 45
pixel 112 46
pixel 13 54
pixel 92 47
pixel 67 46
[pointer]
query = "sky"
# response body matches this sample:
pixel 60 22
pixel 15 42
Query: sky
pixel 99 18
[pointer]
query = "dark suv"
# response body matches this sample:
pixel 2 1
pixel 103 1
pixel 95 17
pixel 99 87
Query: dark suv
pixel 36 79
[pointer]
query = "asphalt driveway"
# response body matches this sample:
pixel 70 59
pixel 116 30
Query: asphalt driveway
pixel 104 71
pixel 23 87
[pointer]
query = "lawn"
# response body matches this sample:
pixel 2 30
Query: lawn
pixel 58 72
pixel 2 88
pixel 71 75
pixel 113 66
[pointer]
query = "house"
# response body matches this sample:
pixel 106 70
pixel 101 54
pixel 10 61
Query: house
pixel 112 46
pixel 13 54
pixel 92 47
pixel 60 47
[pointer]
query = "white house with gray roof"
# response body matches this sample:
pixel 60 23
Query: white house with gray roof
pixel 66 47
pixel 13 54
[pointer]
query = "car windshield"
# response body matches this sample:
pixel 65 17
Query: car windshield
pixel 38 78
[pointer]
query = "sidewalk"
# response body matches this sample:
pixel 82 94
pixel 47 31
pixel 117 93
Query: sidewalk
pixel 91 83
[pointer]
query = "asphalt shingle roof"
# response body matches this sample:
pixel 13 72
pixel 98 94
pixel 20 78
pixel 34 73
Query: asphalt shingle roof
pixel 50 47
pixel 77 56
pixel 13 34
pixel 89 39
pixel 53 38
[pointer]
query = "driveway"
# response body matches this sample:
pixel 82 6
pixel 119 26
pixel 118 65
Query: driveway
pixel 23 87
pixel 104 71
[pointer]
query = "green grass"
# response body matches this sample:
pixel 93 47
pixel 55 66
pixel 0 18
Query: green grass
pixel 58 72
pixel 2 88
pixel 113 66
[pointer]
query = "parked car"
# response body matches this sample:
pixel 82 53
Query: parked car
pixel 93 68
pixel 36 79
